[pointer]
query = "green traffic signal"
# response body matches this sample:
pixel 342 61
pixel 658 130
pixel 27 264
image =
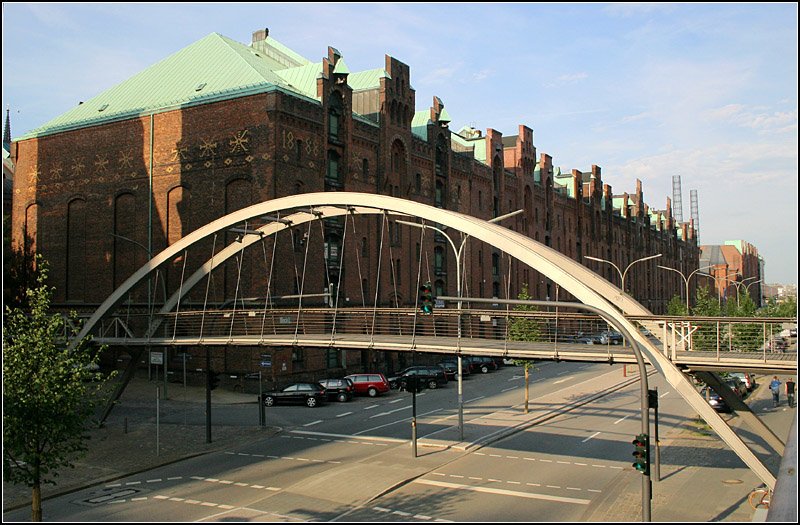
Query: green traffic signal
pixel 642 454
pixel 426 298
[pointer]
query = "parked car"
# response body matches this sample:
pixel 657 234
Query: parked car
pixel 370 384
pixel 309 394
pixel 450 366
pixel 715 400
pixel 427 376
pixel 338 389
pixel 737 386
pixel 611 337
pixel 749 380
pixel 481 364
pixel 590 339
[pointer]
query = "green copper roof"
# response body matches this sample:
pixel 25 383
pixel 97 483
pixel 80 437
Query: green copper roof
pixel 303 79
pixel 341 68
pixel 419 124
pixel 210 67
pixel 370 79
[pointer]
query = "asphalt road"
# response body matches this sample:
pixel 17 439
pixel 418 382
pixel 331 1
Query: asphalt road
pixel 352 461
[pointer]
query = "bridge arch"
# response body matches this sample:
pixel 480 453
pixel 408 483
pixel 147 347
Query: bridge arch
pixel 583 284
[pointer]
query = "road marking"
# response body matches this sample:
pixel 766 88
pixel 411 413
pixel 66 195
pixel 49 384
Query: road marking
pixel 621 419
pixel 372 438
pixel 590 437
pixel 390 412
pixel 396 401
pixel 563 380
pixel 371 407
pixel 508 389
pixel 313 423
pixel 502 492
pixel 474 399
pixel 345 414
pixel 663 395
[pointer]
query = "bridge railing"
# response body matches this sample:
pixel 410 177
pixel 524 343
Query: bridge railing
pixel 717 337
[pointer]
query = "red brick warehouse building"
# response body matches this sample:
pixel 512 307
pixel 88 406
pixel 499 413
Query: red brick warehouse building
pixel 220 125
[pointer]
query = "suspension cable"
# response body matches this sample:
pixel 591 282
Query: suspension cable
pixel 419 277
pixel 339 283
pixel 208 285
pixel 238 282
pixel 377 283
pixel 180 294
pixel 269 276
pixel 303 281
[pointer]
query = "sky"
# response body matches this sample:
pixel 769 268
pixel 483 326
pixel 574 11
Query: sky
pixel 645 91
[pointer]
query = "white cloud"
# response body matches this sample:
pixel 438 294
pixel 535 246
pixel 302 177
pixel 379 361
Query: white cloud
pixel 755 118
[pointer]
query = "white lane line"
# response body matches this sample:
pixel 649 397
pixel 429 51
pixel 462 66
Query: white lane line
pixel 345 414
pixel 371 438
pixel 663 395
pixel 371 407
pixel 396 401
pixel 473 399
pixel 508 389
pixel 502 492
pixel 563 380
pixel 313 423
pixel 390 412
pixel 590 437
pixel 621 419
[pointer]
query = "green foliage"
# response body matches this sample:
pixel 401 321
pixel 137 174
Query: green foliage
pixel 787 308
pixel 49 392
pixel 18 270
pixel 677 306
pixel 706 304
pixel 524 328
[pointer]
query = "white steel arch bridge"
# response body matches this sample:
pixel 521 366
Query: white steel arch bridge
pixel 588 288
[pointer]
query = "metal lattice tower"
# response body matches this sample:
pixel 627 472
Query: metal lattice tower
pixel 677 203
pixel 695 209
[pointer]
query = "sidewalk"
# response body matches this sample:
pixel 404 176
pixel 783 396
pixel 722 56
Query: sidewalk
pixel 126 444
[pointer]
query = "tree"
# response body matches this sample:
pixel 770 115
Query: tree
pixel 677 306
pixel 705 337
pixel 525 329
pixel 49 392
pixel 18 269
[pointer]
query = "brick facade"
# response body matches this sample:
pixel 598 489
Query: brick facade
pixel 74 189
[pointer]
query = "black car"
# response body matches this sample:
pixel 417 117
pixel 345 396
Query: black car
pixel 481 364
pixel 451 367
pixel 715 400
pixel 426 376
pixel 338 389
pixel 309 394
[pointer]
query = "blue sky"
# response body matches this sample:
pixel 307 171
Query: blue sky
pixel 646 91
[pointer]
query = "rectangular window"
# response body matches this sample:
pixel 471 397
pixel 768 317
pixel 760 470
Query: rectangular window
pixel 332 358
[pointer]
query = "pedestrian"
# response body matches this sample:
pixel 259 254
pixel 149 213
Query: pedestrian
pixel 775 386
pixel 790 392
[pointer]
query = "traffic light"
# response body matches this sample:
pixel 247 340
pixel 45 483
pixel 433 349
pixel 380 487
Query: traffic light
pixel 642 454
pixel 426 298
pixel 213 379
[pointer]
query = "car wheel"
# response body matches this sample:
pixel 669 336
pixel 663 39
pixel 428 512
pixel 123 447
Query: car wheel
pixel 311 402
pixel 432 384
pixel 372 392
pixel 484 369
pixel 269 401
pixel 342 397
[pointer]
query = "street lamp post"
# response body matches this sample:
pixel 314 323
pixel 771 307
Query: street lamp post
pixel 621 273
pixel 457 252
pixel 746 287
pixel 685 280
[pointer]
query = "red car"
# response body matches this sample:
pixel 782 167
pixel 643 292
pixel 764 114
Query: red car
pixel 371 384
